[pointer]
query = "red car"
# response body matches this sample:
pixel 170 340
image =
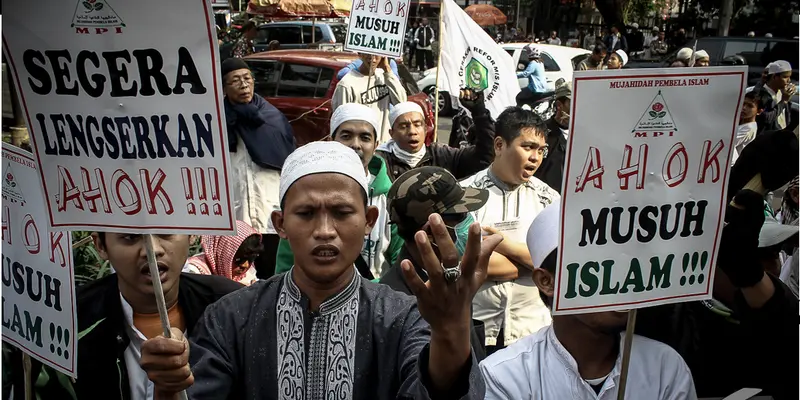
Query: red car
pixel 300 83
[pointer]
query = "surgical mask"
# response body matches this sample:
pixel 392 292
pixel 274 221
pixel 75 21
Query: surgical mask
pixel 462 232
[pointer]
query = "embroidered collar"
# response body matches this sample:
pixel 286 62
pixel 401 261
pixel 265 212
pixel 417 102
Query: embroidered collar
pixel 330 305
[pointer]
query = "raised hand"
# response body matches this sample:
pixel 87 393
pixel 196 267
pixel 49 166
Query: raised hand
pixel 443 301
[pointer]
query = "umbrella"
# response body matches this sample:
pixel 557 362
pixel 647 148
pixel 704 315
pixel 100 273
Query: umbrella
pixel 486 15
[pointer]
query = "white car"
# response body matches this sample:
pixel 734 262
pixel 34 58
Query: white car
pixel 559 62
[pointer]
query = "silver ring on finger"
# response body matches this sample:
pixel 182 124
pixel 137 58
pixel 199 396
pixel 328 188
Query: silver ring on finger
pixel 452 274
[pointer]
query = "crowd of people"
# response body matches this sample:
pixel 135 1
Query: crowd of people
pixel 372 265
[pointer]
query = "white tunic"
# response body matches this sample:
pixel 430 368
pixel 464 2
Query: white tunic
pixel 538 367
pixel 255 190
pixel 514 305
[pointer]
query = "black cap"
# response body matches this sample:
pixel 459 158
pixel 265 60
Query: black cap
pixel 233 64
pixel 420 192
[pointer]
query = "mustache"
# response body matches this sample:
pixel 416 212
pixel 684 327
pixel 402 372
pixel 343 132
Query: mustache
pixel 360 153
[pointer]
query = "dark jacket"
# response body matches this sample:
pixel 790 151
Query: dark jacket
pixel 424 36
pixel 394 279
pixel 768 119
pixel 102 372
pixel 266 132
pixel 748 349
pixel 551 170
pixel 463 162
pixel 622 43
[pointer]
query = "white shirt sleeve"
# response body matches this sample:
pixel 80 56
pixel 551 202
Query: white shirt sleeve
pixel 682 383
pixel 507 389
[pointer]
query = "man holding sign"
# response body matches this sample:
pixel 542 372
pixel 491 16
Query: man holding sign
pixel 118 313
pixel 376 88
pixel 580 356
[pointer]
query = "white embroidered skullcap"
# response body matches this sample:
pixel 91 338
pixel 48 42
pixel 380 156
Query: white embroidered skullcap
pixel 622 56
pixel 684 54
pixel 701 54
pixel 543 234
pixel 403 108
pixel 778 67
pixel 322 158
pixel 773 232
pixel 354 112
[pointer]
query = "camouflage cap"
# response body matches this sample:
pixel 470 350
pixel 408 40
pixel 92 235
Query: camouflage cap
pixel 420 192
pixel 564 89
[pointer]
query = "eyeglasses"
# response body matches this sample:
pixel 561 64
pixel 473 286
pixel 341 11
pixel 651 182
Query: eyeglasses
pixel 239 81
pixel 543 151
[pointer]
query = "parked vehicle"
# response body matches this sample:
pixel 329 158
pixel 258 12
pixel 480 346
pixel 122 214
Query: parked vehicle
pixel 756 51
pixel 300 83
pixel 559 62
pixel 297 34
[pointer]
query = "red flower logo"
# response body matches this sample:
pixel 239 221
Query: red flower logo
pixel 658 107
pixel 9 176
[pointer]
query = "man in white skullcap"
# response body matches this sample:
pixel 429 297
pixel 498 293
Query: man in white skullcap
pixel 617 59
pixel 701 58
pixel 776 96
pixel 684 55
pixel 355 126
pixel 407 149
pixel 321 330
pixel 579 356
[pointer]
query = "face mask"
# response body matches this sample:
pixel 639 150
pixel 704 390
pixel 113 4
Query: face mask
pixel 462 232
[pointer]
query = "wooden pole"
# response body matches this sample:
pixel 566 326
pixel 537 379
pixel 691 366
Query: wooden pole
pixel 149 241
pixel 626 354
pixel 26 369
pixel 438 68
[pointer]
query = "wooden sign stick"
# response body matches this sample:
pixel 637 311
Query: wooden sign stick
pixel 149 241
pixel 26 369
pixel 626 354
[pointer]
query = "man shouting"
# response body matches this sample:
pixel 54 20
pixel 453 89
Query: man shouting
pixel 322 330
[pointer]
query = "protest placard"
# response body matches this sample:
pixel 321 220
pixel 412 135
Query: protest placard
pixel 38 284
pixel 644 186
pixel 124 106
pixel 377 27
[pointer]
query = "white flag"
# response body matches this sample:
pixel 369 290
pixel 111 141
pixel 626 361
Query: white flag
pixel 471 59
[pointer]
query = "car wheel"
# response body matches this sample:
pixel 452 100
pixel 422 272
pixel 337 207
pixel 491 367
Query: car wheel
pixel 445 108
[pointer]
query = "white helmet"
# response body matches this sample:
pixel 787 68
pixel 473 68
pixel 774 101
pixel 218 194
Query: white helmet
pixel 533 52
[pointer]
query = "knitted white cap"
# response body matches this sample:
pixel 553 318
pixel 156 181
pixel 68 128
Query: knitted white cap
pixel 701 54
pixel 684 54
pixel 544 233
pixel 403 108
pixel 773 232
pixel 354 112
pixel 622 56
pixel 778 67
pixel 322 158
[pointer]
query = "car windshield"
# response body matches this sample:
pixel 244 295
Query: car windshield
pixel 339 32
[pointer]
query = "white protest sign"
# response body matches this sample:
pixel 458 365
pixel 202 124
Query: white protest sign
pixel 377 27
pixel 644 186
pixel 124 106
pixel 38 287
